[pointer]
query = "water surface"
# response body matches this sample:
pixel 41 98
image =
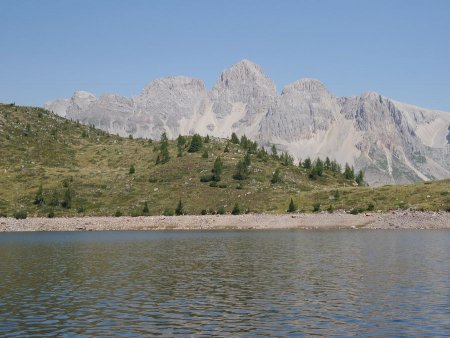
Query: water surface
pixel 298 282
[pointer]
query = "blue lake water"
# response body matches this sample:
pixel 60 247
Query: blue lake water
pixel 237 283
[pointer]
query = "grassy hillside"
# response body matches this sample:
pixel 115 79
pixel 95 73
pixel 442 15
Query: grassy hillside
pixel 38 148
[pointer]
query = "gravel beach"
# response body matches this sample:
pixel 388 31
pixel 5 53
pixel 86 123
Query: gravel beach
pixel 392 220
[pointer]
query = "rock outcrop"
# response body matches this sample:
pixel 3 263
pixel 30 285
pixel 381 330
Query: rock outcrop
pixel 391 141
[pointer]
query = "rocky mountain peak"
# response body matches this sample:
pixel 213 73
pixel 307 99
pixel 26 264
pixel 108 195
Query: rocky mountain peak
pixel 305 85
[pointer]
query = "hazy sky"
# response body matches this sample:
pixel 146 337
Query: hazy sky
pixel 49 49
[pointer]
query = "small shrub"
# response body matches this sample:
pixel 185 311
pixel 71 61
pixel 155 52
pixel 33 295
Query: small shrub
pixel 356 211
pixel 370 207
pixel 205 154
pixel 330 208
pixel 152 180
pixel 206 178
pixel 51 214
pixel 81 209
pixel 223 185
pixel 213 184
pixel 66 203
pixel 236 210
pixel 316 207
pixel 168 212
pixel 276 178
pixel 239 186
pixel 204 212
pixel 132 169
pixel 118 213
pixel 22 214
pixel 221 211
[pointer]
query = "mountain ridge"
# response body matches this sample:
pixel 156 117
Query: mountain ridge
pixel 393 142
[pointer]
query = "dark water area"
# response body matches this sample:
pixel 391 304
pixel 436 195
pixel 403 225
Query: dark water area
pixel 241 283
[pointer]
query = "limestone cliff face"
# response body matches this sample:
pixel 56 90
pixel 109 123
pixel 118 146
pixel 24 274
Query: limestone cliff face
pixel 392 141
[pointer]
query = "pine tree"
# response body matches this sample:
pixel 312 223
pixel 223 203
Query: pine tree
pixel 241 172
pixel 217 170
pixel 274 151
pixel 327 164
pixel 196 144
pixel 307 163
pixel 349 172
pixel 360 178
pixel 247 159
pixel 180 209
pixel 234 138
pixel 67 199
pixel 236 210
pixel 39 198
pixel 205 154
pixel 276 178
pixel 145 211
pixel 292 207
pixel 164 155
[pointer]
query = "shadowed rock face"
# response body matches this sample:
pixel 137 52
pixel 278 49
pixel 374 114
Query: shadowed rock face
pixel 392 141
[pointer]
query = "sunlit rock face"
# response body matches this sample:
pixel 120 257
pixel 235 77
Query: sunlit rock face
pixel 392 142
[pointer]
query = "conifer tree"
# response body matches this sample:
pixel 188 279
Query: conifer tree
pixel 292 207
pixel 217 170
pixel 196 144
pixel 274 151
pixel 234 138
pixel 360 178
pixel 276 178
pixel 180 209
pixel 145 211
pixel 241 172
pixel 39 198
pixel 349 172
pixel 307 163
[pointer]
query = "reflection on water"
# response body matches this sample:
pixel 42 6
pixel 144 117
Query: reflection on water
pixel 226 283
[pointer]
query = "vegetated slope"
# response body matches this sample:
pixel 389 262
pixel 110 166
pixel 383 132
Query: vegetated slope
pixel 392 142
pixel 85 171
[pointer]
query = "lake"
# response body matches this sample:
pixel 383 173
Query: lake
pixel 236 283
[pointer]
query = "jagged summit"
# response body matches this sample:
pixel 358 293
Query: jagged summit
pixel 392 142
pixel 310 85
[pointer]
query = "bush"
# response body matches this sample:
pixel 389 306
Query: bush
pixel 118 213
pixel 221 211
pixel 22 214
pixel 206 178
pixel 240 186
pixel 213 184
pixel 205 154
pixel 370 207
pixel 81 209
pixel 168 212
pixel 51 214
pixel 236 210
pixel 330 208
pixel 152 180
pixel 132 169
pixel 223 185
pixel 204 212
pixel 356 211
pixel 316 207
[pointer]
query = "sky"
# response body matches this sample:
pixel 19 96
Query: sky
pixel 399 48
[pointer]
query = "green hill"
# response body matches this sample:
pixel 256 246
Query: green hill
pixel 85 171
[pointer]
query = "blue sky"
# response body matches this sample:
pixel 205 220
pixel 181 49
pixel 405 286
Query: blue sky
pixel 400 48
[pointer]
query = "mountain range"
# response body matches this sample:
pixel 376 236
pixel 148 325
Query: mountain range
pixel 392 142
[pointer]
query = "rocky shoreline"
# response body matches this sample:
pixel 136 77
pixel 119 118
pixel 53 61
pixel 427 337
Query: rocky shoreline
pixel 392 220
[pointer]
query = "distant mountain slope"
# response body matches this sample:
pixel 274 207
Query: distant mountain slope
pixel 392 141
